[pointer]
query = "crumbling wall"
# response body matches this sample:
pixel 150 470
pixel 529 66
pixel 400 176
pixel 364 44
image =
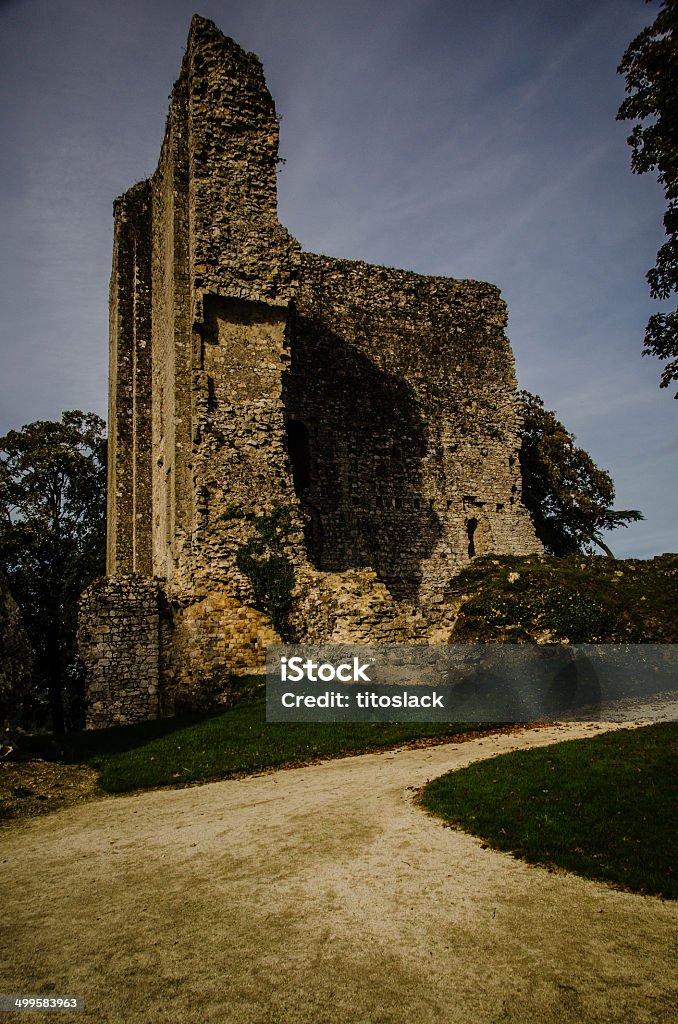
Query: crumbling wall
pixel 360 421
pixel 401 400
pixel 238 246
pixel 206 646
pixel 243 273
pixel 355 606
pixel 241 468
pixel 204 228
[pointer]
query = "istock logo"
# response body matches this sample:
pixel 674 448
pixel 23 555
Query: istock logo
pixel 293 670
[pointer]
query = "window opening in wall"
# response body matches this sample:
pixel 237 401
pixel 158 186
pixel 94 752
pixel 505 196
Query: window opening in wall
pixel 471 526
pixel 299 446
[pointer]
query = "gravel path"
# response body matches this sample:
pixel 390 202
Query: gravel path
pixel 317 896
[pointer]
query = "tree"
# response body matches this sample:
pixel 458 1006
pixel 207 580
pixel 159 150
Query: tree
pixel 650 66
pixel 569 499
pixel 52 538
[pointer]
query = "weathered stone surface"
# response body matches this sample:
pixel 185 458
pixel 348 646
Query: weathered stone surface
pixel 406 390
pixel 356 424
pixel 15 656
pixel 119 641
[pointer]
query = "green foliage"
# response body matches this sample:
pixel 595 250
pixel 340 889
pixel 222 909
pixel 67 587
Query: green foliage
pixel 52 540
pixel 586 599
pixel 650 66
pixel 552 608
pixel 570 615
pixel 605 808
pixel 568 497
pixel 233 742
pixel 263 560
pixel 232 511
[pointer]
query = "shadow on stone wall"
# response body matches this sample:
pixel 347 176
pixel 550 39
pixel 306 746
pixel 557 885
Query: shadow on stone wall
pixel 356 439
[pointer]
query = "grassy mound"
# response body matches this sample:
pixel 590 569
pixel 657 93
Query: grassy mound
pixel 606 808
pixel 583 599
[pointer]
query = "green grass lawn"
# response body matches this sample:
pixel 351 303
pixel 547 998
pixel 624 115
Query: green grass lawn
pixel 606 808
pixel 234 742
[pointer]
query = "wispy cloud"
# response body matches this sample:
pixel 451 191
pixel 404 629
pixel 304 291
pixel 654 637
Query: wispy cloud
pixel 470 139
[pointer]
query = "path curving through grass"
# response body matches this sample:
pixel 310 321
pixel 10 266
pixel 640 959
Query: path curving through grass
pixel 320 895
pixel 605 807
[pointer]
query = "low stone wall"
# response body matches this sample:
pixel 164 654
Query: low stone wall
pixel 352 607
pixel 149 653
pixel 119 644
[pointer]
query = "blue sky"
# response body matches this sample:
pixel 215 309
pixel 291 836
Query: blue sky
pixel 469 140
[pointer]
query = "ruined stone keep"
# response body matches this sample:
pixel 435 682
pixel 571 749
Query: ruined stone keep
pixel 298 445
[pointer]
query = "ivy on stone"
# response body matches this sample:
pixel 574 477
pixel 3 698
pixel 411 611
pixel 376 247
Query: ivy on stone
pixel 264 561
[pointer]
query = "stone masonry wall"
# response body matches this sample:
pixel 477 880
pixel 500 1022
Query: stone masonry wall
pixel 238 247
pixel 243 267
pixel 129 526
pixel 118 641
pixel 401 394
pixel 206 646
pixel 372 410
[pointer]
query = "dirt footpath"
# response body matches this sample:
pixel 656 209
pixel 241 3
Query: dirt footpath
pixel 317 896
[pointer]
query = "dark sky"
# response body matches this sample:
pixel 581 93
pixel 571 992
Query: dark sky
pixel 465 139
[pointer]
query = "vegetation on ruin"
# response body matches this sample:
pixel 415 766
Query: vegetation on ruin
pixel 232 510
pixel 235 742
pixel 264 561
pixel 52 545
pixel 650 66
pixel 570 500
pixel 580 599
pixel 606 808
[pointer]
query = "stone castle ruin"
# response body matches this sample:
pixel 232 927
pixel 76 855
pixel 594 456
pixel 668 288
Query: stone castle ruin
pixel 299 446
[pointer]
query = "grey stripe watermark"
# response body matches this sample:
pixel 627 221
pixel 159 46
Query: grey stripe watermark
pixel 471 682
pixel 42 1003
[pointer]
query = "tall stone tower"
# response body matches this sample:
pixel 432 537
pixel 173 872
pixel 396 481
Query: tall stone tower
pixel 351 427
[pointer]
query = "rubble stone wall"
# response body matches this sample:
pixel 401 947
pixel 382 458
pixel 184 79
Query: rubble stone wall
pixel 402 395
pixel 371 410
pixel 119 642
pixel 129 526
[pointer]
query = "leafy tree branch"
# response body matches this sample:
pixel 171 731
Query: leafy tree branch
pixel 568 497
